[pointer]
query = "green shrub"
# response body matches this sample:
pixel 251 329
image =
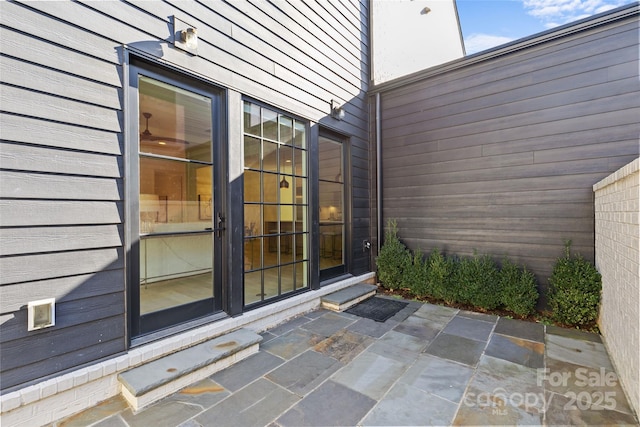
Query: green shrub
pixel 519 289
pixel 574 290
pixel 477 282
pixel 393 260
pixel 415 277
pixel 439 272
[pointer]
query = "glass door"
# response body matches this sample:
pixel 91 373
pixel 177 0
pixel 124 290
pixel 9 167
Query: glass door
pixel 333 212
pixel 180 218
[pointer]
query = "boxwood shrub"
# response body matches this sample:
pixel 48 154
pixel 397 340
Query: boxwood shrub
pixel 440 272
pixel 574 290
pixel 416 275
pixel 477 282
pixel 518 287
pixel 394 259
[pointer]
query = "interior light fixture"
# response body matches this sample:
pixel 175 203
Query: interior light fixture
pixel 337 111
pixel 284 183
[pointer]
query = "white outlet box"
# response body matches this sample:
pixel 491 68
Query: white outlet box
pixel 41 314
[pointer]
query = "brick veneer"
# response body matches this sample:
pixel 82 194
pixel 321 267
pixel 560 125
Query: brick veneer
pixel 617 211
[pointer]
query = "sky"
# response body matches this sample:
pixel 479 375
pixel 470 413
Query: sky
pixel 489 23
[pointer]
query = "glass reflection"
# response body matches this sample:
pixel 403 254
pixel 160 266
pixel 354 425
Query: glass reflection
pixel 331 188
pixel 280 180
pixel 176 196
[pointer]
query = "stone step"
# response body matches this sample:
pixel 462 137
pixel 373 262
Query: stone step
pixel 159 378
pixel 348 297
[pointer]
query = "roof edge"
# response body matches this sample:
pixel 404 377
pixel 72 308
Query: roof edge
pixel 613 15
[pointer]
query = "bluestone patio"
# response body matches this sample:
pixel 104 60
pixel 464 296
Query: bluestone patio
pixel 426 365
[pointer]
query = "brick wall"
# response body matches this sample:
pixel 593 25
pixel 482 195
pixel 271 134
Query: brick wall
pixel 617 211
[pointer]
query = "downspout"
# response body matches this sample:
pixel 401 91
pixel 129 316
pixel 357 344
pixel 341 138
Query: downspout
pixel 378 173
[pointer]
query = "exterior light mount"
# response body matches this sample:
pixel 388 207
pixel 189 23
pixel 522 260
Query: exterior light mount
pixel 337 110
pixel 185 36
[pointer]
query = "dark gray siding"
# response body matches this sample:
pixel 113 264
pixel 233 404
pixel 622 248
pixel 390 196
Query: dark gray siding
pixel 63 117
pixel 498 152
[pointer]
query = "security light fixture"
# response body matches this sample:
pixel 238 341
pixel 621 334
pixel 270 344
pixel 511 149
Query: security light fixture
pixel 190 37
pixel 185 36
pixel 337 111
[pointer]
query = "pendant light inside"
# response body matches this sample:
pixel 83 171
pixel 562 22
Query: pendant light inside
pixel 284 183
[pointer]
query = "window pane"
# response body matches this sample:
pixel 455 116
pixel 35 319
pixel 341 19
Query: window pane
pixel 270 157
pixel 286 130
pixel 251 186
pixel 286 191
pixel 251 119
pixel 300 246
pixel 252 224
pixel 330 160
pixel 252 287
pixel 286 218
pixel 271 282
pixel 271 187
pixel 286 250
pixel 174 122
pixel 286 163
pixel 271 219
pixel 252 253
pixel 300 162
pixel 287 278
pixel 165 270
pixel 300 134
pixel 283 188
pixel 330 245
pixel 301 218
pixel 330 201
pixel 301 190
pixel 301 274
pixel 251 152
pixel 174 196
pixel 269 124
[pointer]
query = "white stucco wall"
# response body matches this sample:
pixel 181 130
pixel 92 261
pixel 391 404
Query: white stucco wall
pixel 617 210
pixel 405 39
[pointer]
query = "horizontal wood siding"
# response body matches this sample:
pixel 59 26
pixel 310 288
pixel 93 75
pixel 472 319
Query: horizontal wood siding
pixel 500 155
pixel 62 184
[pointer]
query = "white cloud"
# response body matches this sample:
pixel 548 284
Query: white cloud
pixel 558 12
pixel 478 42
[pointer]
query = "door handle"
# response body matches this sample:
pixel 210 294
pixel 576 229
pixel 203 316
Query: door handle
pixel 219 224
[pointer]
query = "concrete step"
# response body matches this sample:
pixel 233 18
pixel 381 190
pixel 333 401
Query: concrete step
pixel 348 297
pixel 155 380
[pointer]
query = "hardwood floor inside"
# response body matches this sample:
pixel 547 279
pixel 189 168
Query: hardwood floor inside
pixel 170 293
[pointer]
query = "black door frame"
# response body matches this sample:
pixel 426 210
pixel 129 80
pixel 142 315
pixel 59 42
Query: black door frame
pixel 345 268
pixel 139 326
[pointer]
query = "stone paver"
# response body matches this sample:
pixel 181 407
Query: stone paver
pixel 257 405
pixel 409 406
pixel 304 373
pixel 427 365
pixel 292 343
pixel 331 404
pixel 458 349
pixel 246 371
pixel 371 374
pixel 473 329
pixel 520 329
pixel 440 377
pixel 517 350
